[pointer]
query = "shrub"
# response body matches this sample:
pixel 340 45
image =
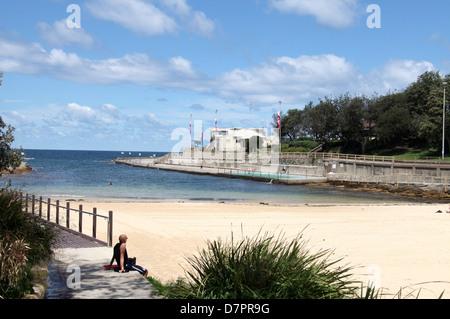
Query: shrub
pixel 26 241
pixel 13 266
pixel 264 267
pixel 304 143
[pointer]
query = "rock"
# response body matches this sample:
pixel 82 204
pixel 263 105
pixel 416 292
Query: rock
pixel 22 169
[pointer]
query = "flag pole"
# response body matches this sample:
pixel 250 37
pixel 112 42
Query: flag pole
pixel 215 120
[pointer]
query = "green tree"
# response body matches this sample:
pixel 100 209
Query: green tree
pixel 393 127
pixel 431 123
pixel 9 157
pixel 394 122
pixel 418 92
pixel 350 119
pixel 322 120
pixel 292 124
pixel 412 117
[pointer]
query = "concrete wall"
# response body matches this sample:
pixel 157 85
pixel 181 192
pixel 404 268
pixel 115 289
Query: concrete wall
pixel 388 168
pixel 263 164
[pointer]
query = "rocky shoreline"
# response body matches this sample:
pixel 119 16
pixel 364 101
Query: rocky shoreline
pixel 411 191
pixel 23 168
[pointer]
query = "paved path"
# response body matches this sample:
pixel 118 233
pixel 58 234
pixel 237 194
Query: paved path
pixel 66 239
pixel 77 273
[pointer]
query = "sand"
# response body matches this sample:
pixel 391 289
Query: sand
pixel 402 247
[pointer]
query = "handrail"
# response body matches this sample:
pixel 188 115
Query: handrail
pixel 242 157
pixel 109 219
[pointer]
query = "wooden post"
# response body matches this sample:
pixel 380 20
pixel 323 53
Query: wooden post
pixel 40 206
pixel 445 184
pixel 110 228
pixel 32 203
pixel 48 209
pixel 26 203
pixel 80 219
pixel 57 212
pixel 94 223
pixel 68 215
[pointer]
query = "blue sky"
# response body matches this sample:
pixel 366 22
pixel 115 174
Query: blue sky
pixel 128 74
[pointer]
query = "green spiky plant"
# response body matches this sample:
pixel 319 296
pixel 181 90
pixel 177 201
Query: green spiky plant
pixel 264 267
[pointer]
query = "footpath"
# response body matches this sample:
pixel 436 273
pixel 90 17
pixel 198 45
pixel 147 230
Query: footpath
pixel 77 272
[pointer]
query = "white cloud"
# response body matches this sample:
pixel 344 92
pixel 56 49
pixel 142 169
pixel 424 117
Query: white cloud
pixel 194 21
pixel 105 116
pixel 59 35
pixel 16 117
pixel 404 72
pixel 333 13
pixel 182 65
pixel 145 18
pixel 288 79
pixel 394 75
pixel 137 68
pixel 74 115
pixel 307 78
pixel 137 15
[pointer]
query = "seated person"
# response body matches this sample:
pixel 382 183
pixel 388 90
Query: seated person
pixel 124 263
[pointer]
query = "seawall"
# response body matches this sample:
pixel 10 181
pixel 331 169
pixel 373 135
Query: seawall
pixel 301 168
pixel 268 173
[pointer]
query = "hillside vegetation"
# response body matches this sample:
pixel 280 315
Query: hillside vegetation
pixel 400 122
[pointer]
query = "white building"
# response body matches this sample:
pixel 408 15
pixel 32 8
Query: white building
pixel 239 139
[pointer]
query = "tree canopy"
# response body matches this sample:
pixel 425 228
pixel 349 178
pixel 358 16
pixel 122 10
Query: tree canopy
pixel 412 117
pixel 9 157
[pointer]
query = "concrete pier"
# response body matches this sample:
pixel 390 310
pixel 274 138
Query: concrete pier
pixel 304 168
pixel 269 173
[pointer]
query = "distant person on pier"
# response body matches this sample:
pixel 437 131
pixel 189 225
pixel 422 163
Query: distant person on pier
pixel 124 263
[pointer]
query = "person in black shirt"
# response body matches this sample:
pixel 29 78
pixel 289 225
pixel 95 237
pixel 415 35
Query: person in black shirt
pixel 120 255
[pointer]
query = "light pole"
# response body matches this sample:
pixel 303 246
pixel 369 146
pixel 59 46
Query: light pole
pixel 443 125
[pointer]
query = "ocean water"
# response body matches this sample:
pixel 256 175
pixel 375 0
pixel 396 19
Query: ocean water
pixel 65 174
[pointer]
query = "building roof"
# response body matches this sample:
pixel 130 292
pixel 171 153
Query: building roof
pixel 243 133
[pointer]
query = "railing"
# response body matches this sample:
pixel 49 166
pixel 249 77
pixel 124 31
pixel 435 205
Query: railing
pixel 61 216
pixel 279 174
pixel 394 180
pixel 245 158
pixel 366 158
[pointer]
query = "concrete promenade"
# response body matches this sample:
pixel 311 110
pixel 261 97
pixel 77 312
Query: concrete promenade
pixel 227 172
pixel 304 168
pixel 77 273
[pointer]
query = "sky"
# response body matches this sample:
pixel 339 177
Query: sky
pixel 131 75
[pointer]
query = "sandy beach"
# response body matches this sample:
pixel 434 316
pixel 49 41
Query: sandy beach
pixel 401 247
